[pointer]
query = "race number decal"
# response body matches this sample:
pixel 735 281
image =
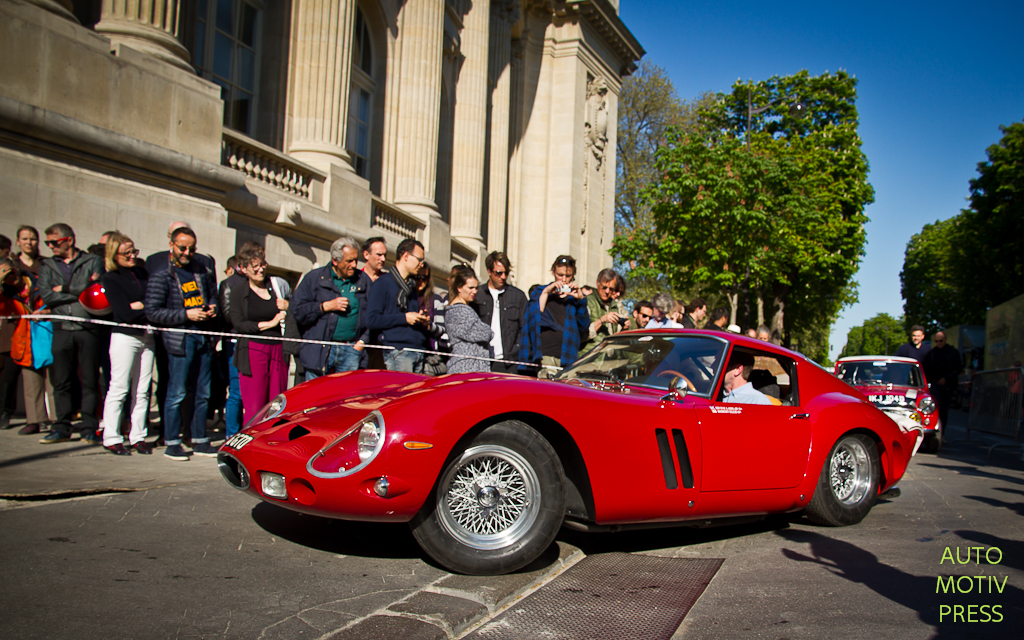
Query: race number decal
pixel 238 441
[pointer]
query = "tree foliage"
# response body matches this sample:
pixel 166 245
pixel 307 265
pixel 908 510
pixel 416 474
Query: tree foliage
pixel 881 335
pixel 648 106
pixel 955 270
pixel 783 220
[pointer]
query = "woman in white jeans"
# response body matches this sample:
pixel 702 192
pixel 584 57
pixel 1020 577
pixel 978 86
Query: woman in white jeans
pixel 131 350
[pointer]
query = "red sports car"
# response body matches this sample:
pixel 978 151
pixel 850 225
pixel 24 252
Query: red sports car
pixel 898 387
pixel 486 468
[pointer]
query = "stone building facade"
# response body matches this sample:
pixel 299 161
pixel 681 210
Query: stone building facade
pixel 472 125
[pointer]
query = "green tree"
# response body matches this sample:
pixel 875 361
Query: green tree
pixel 878 336
pixel 928 281
pixel 648 106
pixel 781 222
pixel 955 270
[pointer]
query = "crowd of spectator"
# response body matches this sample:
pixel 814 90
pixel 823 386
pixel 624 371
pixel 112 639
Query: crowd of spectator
pixel 339 318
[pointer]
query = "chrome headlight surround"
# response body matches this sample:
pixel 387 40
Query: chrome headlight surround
pixel 367 440
pixel 927 406
pixel 269 411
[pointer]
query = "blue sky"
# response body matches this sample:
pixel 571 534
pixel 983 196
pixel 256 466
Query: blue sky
pixel 936 79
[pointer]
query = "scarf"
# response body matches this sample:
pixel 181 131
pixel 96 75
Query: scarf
pixel 404 289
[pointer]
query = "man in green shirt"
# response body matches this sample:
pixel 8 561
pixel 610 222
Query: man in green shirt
pixel 606 312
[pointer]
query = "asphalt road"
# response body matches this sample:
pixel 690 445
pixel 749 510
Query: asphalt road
pixel 198 559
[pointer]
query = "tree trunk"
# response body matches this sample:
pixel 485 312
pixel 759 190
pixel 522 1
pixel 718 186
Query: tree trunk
pixel 760 308
pixel 778 327
pixel 734 304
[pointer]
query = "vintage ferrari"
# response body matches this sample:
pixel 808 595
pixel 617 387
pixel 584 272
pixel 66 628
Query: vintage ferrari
pixel 486 468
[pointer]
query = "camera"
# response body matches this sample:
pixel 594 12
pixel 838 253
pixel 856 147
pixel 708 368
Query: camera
pixel 623 320
pixel 565 289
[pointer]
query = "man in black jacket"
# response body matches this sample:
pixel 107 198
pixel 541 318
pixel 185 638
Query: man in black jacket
pixel 76 345
pixel 185 295
pixel 942 366
pixel 503 307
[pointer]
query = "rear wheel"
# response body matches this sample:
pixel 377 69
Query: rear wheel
pixel 497 505
pixel 848 485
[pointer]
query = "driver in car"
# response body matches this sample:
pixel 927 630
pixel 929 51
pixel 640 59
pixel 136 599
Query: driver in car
pixel 737 385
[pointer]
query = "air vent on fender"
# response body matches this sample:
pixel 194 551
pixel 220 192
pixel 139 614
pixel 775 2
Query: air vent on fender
pixel 297 432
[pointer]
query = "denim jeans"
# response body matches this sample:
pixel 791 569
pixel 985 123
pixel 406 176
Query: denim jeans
pixel 194 366
pixel 340 357
pixel 233 406
pixel 402 360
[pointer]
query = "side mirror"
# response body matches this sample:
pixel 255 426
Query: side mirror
pixel 675 392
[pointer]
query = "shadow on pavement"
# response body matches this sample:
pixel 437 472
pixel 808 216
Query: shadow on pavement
pixel 360 539
pixel 664 538
pixel 50 453
pixel 365 539
pixel 919 594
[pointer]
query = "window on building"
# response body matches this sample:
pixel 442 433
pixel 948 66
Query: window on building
pixel 361 98
pixel 226 52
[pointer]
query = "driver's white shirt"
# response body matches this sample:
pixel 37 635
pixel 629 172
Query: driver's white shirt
pixel 746 394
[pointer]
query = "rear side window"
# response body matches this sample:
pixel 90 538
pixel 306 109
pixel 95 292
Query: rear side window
pixel 774 376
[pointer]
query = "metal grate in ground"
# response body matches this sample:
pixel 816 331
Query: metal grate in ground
pixel 614 596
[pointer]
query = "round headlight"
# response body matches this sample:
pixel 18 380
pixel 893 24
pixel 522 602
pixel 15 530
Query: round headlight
pixel 926 405
pixel 369 437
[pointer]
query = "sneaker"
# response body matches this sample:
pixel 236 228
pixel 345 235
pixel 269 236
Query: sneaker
pixel 176 452
pixel 29 429
pixel 142 448
pixel 118 450
pixel 54 437
pixel 204 449
pixel 89 437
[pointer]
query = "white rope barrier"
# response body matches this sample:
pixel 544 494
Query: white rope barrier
pixel 222 334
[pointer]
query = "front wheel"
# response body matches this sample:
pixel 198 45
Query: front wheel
pixel 497 505
pixel 848 485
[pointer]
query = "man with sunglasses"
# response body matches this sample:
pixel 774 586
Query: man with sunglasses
pixel 503 307
pixel 942 366
pixel 607 316
pixel 76 345
pixel 184 295
pixel 393 310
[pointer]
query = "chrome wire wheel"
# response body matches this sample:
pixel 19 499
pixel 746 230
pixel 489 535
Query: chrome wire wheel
pixel 489 498
pixel 850 472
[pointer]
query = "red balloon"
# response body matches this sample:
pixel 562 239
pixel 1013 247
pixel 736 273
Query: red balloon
pixel 94 299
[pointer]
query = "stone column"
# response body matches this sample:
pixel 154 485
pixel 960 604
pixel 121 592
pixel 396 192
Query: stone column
pixel 149 26
pixel 516 132
pixel 468 161
pixel 503 14
pixel 319 76
pixel 410 166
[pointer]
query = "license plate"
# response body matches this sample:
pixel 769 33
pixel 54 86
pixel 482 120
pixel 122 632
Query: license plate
pixel 238 441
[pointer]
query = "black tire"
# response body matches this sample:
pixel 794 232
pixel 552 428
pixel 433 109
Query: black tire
pixel 505 522
pixel 848 484
pixel 932 443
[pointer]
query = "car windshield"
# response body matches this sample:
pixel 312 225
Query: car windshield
pixel 880 372
pixel 652 360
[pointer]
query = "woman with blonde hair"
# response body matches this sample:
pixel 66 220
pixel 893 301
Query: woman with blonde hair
pixel 131 350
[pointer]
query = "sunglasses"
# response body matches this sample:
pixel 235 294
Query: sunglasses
pixel 54 243
pixel 129 254
pixel 570 262
pixel 500 274
pixel 182 249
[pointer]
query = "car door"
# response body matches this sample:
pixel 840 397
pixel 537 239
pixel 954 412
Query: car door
pixel 749 447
